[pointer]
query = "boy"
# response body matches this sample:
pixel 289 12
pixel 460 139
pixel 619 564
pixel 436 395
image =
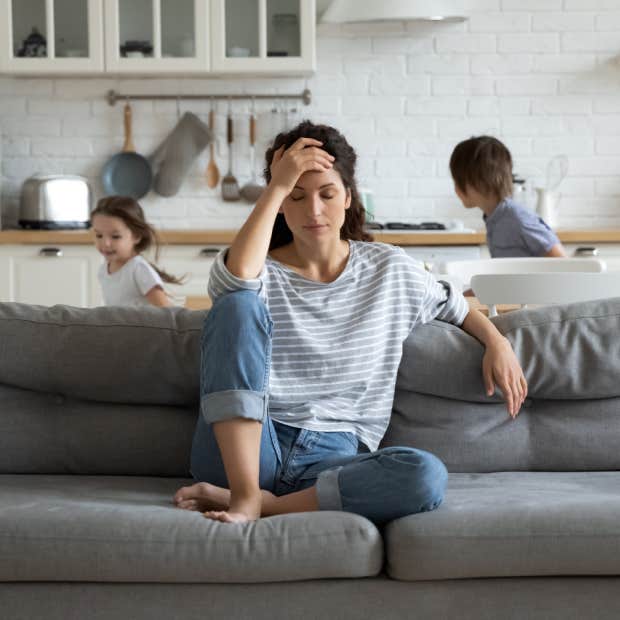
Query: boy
pixel 482 172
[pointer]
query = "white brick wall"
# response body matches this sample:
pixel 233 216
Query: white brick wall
pixel 542 75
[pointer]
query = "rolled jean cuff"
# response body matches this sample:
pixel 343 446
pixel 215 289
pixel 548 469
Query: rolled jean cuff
pixel 328 490
pixel 229 404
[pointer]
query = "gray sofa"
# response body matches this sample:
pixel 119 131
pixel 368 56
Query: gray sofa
pixel 97 414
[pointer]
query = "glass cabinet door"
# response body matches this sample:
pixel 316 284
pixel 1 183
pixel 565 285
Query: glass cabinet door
pixel 154 36
pixel 55 36
pixel 283 28
pixel 268 36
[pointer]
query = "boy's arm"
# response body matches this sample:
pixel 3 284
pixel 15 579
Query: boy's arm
pixel 499 364
pixel 557 251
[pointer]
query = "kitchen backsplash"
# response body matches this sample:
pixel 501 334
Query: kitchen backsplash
pixel 542 75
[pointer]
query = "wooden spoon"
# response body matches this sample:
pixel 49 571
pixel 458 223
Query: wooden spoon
pixel 212 172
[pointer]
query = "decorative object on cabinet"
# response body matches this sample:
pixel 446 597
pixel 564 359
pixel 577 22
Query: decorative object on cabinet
pixel 33 46
pixel 136 49
pixel 127 173
pixel 343 11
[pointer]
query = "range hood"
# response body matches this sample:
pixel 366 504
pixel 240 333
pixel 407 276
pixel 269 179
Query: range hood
pixel 346 11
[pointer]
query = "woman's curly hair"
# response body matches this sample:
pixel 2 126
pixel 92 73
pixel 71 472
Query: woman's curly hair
pixel 335 144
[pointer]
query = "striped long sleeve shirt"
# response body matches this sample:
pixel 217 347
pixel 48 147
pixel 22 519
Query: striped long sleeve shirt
pixel 337 345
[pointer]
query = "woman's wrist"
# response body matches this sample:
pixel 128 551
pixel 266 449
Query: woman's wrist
pixel 273 196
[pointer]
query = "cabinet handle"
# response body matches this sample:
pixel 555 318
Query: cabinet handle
pixel 586 251
pixel 50 252
pixel 208 252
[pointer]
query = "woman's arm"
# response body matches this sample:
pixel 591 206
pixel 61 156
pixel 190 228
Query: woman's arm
pixel 248 251
pixel 499 365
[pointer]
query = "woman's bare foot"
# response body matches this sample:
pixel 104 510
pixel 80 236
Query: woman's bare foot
pixel 242 509
pixel 202 497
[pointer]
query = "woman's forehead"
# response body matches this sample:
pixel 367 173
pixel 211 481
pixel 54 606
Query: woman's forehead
pixel 315 180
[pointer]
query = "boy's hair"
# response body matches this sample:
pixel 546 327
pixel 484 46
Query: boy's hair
pixel 130 212
pixel 483 163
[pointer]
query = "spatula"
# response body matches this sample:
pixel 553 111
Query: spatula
pixel 230 187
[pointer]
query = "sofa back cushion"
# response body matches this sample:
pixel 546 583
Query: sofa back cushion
pixel 570 355
pixel 98 391
pixel 116 390
pixel 108 354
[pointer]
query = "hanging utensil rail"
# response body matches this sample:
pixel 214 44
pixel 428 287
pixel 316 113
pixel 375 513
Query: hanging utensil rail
pixel 113 96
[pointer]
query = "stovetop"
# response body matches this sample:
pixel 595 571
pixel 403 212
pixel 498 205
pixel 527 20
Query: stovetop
pixel 404 226
pixel 452 226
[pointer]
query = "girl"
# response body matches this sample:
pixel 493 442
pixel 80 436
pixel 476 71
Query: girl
pixel 302 347
pixel 121 235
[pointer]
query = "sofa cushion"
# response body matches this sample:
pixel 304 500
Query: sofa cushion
pixel 547 435
pixel 572 365
pixel 56 434
pixel 566 352
pixel 512 524
pixel 125 529
pixel 142 355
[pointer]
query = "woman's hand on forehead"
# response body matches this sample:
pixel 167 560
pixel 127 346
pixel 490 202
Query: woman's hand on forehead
pixel 304 155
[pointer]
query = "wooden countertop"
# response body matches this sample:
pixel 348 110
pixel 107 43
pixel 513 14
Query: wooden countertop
pixel 225 237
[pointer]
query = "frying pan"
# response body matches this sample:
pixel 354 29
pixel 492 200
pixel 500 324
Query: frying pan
pixel 127 173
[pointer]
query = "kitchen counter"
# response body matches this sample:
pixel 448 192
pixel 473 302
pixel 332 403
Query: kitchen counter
pixel 225 237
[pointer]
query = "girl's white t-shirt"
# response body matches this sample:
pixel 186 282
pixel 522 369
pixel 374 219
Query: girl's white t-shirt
pixel 129 285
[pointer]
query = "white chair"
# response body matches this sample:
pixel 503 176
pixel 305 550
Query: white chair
pixel 461 272
pixel 544 288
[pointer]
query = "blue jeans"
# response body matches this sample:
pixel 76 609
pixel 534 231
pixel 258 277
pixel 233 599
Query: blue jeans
pixel 234 382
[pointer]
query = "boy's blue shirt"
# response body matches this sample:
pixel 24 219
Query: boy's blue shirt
pixel 513 230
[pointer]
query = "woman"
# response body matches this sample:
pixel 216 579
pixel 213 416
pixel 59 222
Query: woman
pixel 301 351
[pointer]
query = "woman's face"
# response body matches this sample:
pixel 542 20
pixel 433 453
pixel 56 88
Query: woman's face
pixel 315 209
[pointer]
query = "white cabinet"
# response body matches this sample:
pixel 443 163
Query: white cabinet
pixel 157 36
pixel 434 255
pixel 149 37
pixel 48 275
pixel 51 36
pixel 192 261
pixel 263 36
pixel 67 274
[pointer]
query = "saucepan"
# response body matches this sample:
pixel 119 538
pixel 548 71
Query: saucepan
pixel 127 173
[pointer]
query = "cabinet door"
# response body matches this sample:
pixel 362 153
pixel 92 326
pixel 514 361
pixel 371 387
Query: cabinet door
pixel 157 36
pixel 47 275
pixel 192 261
pixel 51 36
pixel 263 36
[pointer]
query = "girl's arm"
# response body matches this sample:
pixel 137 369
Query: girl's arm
pixel 157 297
pixel 248 251
pixel 499 365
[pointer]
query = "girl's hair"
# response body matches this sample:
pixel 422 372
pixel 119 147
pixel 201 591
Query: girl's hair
pixel 335 144
pixel 483 163
pixel 130 212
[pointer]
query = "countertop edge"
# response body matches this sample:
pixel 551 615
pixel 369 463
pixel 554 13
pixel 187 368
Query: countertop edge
pixel 225 237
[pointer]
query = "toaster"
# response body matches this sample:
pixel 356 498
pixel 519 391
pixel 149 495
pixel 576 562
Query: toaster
pixel 55 202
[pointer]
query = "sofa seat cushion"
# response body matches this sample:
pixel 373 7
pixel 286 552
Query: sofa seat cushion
pixel 512 524
pixel 126 529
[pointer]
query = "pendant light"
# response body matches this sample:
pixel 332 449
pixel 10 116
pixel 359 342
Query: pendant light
pixel 346 11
